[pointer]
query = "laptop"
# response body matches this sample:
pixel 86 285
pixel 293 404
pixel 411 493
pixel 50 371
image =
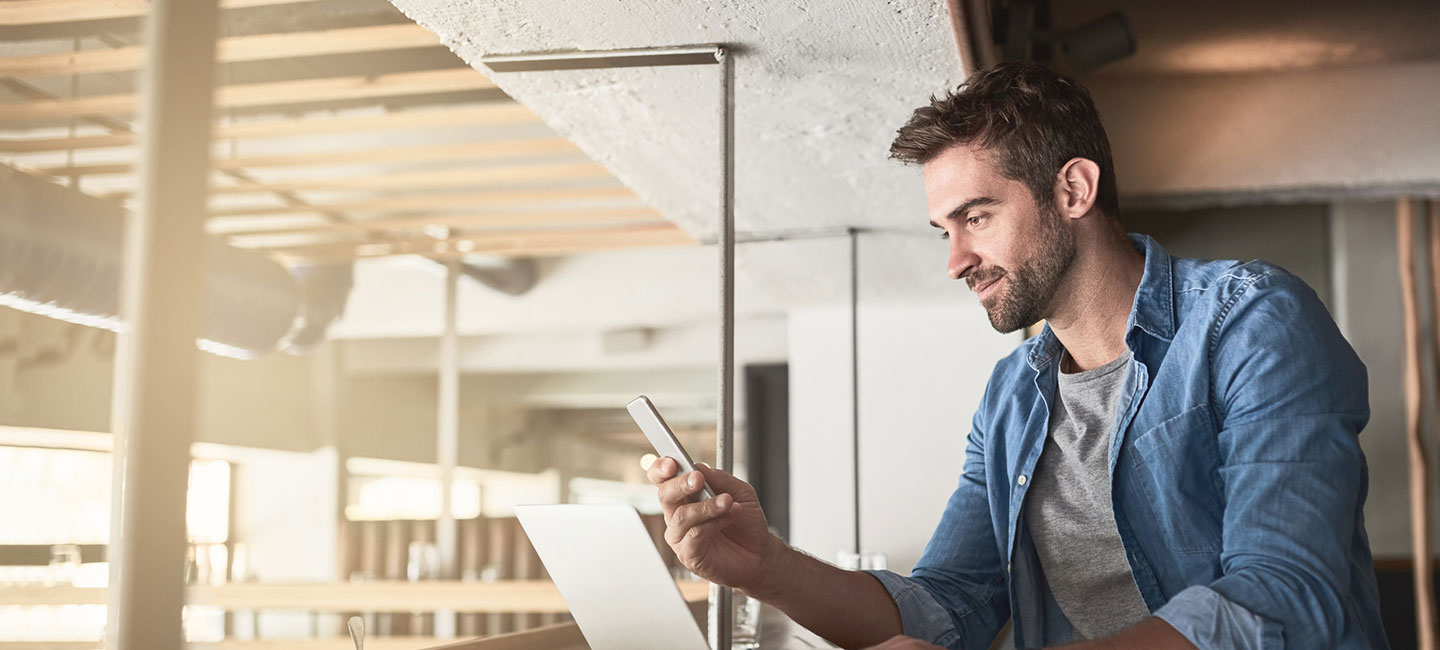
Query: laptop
pixel 611 576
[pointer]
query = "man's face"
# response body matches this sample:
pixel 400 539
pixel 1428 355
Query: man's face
pixel 1012 252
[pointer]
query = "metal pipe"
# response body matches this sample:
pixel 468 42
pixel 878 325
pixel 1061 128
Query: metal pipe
pixel 156 361
pixel 725 426
pixel 855 376
pixel 720 597
pixel 649 57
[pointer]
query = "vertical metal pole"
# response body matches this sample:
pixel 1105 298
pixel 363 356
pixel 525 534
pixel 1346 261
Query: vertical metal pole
pixel 725 426
pixel 161 293
pixel 855 376
pixel 448 437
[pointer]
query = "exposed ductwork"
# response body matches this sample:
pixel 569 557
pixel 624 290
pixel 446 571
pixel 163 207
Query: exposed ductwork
pixel 511 276
pixel 60 257
pixel 324 290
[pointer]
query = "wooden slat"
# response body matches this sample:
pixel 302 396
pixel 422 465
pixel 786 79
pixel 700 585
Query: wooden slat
pixel 1426 626
pixel 449 151
pixel 548 218
pixel 501 198
pixel 41 12
pixel 41 554
pixel 258 47
pixel 377 596
pixel 423 180
pixel 280 93
pixel 500 113
pixel 528 243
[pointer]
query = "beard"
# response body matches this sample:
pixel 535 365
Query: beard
pixel 1032 285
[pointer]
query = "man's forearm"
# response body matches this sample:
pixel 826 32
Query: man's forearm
pixel 1149 634
pixel 849 608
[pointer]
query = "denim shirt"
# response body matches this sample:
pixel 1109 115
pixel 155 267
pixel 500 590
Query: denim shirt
pixel 1237 478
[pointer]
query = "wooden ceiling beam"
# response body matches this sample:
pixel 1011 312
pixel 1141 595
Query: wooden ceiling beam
pixel 531 243
pixel 450 151
pixel 279 93
pixel 532 219
pixel 501 113
pixel 44 12
pixel 235 49
pixel 439 178
pixel 426 201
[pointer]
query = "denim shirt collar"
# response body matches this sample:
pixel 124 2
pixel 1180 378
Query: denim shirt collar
pixel 1153 311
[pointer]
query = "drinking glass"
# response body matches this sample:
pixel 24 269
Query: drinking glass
pixel 423 562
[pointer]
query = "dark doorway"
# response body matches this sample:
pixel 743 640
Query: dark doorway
pixel 767 424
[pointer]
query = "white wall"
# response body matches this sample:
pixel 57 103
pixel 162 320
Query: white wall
pixel 285 510
pixel 1367 306
pixel 922 372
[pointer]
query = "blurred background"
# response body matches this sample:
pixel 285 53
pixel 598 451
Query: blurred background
pixel 367 172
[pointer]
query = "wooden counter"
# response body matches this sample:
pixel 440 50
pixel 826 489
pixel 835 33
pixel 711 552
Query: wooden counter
pixel 777 632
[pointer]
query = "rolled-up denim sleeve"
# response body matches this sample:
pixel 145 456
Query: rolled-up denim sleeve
pixel 1210 620
pixel 1291 398
pixel 920 616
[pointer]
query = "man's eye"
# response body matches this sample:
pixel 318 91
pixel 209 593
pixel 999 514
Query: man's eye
pixel 975 220
pixel 944 234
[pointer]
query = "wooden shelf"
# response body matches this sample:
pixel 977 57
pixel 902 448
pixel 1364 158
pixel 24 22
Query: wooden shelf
pixel 501 597
pixel 558 637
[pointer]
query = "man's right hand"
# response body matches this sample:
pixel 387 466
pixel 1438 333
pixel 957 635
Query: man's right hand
pixel 725 539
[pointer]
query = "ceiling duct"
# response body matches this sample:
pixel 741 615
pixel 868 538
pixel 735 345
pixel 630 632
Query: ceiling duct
pixel 512 276
pixel 324 290
pixel 60 257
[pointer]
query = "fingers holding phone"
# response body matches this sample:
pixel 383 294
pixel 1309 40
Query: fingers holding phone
pixel 723 539
pixel 714 522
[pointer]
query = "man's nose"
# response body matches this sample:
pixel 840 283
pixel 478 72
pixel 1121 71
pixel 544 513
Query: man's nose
pixel 962 260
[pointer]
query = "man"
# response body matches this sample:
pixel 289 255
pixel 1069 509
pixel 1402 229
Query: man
pixel 1171 463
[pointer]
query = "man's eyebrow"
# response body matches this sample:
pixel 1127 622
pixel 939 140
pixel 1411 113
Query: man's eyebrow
pixel 966 207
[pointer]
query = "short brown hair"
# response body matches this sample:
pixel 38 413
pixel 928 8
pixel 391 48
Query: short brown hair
pixel 1030 117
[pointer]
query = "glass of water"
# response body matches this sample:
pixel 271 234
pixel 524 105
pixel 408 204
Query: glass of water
pixel 744 621
pixel 864 560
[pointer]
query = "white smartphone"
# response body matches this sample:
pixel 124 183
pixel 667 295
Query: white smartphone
pixel 662 438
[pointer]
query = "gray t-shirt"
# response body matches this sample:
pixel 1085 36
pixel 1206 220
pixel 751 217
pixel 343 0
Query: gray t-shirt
pixel 1069 509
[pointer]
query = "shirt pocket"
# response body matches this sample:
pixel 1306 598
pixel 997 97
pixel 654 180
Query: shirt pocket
pixel 1177 466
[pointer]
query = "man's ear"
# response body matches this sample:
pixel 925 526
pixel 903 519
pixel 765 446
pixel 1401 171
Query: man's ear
pixel 1076 187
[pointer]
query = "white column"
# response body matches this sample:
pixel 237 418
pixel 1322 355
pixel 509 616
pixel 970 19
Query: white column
pixel 448 438
pixel 162 294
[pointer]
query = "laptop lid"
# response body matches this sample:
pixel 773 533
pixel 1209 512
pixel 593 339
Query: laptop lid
pixel 611 577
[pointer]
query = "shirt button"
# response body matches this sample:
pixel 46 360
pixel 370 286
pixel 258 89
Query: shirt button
pixel 1021 480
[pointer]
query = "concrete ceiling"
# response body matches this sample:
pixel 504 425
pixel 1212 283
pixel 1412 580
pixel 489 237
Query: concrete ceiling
pixel 820 89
